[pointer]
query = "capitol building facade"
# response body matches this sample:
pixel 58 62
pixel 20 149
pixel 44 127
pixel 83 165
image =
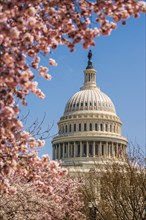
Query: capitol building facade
pixel 89 130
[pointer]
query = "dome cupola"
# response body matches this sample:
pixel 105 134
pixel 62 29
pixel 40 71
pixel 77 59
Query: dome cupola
pixel 89 98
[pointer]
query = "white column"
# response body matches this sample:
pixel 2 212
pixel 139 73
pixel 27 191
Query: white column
pixel 93 148
pixel 113 128
pixel 63 151
pixel 121 155
pixel 110 149
pixel 81 149
pixel 117 149
pixel 100 148
pixel 53 152
pixel 124 151
pixel 74 145
pixel 68 149
pixel 108 127
pixel 113 150
pixel 59 152
pixel 87 146
pixel 107 150
pixel 103 127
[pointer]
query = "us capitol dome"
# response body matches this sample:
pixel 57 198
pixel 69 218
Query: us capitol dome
pixel 89 130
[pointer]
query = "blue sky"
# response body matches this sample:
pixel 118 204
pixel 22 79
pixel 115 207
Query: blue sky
pixel 120 63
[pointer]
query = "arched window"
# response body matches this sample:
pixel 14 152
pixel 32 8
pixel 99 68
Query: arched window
pixel 74 127
pixel 70 128
pixel 114 128
pixel 91 77
pixel 66 128
pixel 106 127
pixel 96 127
pixel 79 127
pixel 110 128
pixel 90 126
pixel 101 127
pixel 85 127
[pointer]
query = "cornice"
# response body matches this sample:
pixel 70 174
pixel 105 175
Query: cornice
pixel 89 137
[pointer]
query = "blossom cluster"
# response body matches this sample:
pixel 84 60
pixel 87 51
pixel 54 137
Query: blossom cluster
pixel 58 198
pixel 28 29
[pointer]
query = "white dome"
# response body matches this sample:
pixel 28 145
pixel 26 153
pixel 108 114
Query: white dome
pixel 89 130
pixel 89 99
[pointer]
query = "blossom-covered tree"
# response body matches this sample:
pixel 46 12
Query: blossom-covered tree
pixel 58 200
pixel 28 28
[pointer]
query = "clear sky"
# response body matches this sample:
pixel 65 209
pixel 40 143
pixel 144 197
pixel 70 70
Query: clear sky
pixel 120 63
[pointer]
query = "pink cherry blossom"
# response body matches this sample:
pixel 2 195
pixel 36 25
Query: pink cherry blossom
pixel 52 62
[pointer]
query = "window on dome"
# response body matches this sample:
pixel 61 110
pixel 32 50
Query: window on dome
pixel 96 127
pixel 79 127
pixel 86 104
pixel 61 151
pixel 110 128
pixel 94 103
pixel 69 128
pixel 74 105
pixel 74 127
pixel 81 103
pixel 114 128
pixel 101 127
pixel 106 127
pixel 90 126
pixel 90 103
pixel 77 104
pixel 66 128
pixel 85 127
